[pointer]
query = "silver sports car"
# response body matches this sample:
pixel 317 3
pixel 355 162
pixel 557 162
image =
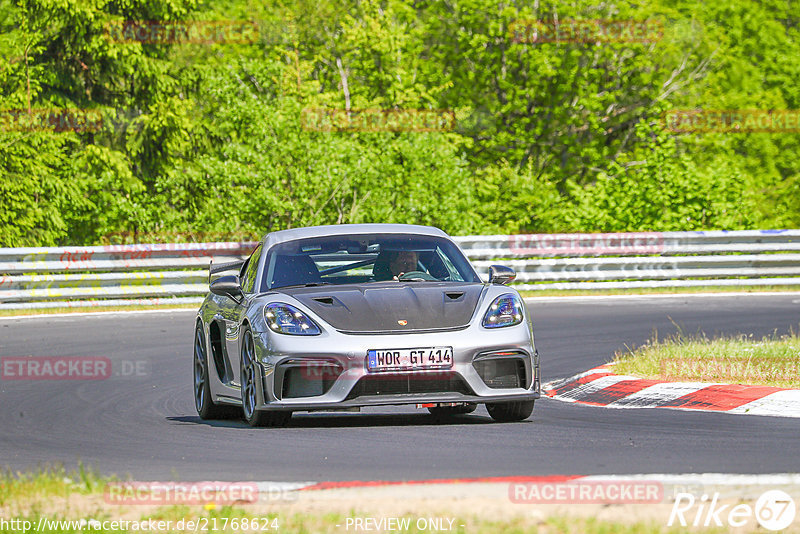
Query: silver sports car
pixel 341 317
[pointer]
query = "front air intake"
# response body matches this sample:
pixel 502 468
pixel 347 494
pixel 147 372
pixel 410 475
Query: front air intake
pixel 307 378
pixel 404 384
pixel 502 372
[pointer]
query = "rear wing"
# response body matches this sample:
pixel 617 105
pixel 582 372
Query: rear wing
pixel 222 267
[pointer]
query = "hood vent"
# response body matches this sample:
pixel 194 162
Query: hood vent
pixel 384 306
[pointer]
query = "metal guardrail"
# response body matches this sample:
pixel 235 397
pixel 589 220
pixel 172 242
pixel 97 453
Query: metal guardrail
pixel 643 259
pixel 121 275
pixel 177 273
pixel 629 244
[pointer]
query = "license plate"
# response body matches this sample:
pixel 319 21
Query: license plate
pixel 423 358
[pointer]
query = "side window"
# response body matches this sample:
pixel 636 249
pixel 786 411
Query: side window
pixel 248 279
pixel 453 275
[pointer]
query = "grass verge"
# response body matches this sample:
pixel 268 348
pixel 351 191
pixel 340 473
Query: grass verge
pixel 230 520
pixel 771 361
pixel 53 500
pixel 26 488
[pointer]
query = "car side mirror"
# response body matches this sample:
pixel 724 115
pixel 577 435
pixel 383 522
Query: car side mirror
pixel 227 286
pixel 500 274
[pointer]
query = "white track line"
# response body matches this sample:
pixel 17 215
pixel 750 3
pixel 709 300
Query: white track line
pixel 780 404
pixel 717 479
pixel 532 299
pixel 568 298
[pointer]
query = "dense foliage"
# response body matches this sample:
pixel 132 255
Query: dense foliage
pixel 208 140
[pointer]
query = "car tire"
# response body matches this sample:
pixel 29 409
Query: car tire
pixel 203 401
pixel 450 411
pixel 249 378
pixel 508 412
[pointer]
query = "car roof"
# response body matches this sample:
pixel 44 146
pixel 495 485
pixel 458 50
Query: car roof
pixel 281 236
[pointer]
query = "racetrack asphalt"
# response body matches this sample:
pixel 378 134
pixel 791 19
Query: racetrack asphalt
pixel 145 426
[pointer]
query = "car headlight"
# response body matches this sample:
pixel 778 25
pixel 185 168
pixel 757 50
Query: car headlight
pixel 286 319
pixel 506 310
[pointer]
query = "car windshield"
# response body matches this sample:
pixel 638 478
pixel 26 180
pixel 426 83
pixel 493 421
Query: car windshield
pixel 356 259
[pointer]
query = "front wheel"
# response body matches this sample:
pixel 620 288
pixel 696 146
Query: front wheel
pixel 508 412
pixel 250 376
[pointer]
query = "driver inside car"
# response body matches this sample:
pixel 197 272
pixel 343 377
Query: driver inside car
pixel 392 264
pixel 403 261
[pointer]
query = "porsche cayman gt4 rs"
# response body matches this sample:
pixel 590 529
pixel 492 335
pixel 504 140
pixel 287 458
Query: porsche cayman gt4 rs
pixel 348 316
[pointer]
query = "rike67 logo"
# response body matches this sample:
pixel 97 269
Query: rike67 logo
pixel 774 510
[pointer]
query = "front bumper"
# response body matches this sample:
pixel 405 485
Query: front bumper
pixel 287 365
pixel 394 400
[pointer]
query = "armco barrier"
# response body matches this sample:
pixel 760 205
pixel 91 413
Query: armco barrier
pixel 120 275
pixel 177 273
pixel 629 244
pixel 642 259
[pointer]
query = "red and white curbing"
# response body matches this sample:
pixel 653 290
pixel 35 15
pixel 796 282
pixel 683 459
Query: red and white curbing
pixel 697 479
pixel 601 387
pixel 736 481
